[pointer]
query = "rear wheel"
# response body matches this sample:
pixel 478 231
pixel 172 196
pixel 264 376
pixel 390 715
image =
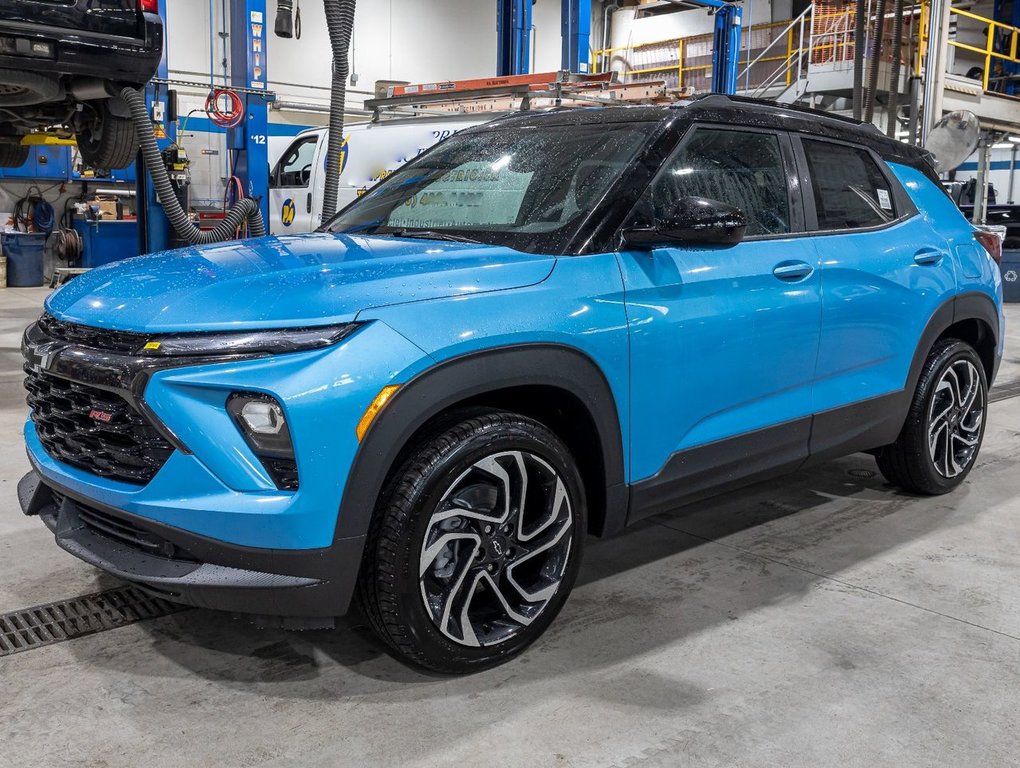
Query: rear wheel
pixel 108 141
pixel 939 443
pixel 475 544
pixel 13 155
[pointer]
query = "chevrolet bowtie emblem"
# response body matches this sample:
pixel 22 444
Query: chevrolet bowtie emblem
pixel 42 357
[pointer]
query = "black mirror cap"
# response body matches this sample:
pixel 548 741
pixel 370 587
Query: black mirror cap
pixel 695 221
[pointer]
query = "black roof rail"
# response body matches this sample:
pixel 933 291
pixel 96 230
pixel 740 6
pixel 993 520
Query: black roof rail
pixel 708 99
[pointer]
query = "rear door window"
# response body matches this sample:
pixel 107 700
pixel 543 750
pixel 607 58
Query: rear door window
pixel 850 190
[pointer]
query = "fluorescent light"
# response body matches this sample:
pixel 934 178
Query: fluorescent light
pixel 1003 145
pixel 1014 139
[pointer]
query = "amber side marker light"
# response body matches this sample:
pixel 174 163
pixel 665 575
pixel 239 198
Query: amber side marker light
pixel 373 410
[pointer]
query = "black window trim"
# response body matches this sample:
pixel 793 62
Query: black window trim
pixel 904 206
pixel 791 170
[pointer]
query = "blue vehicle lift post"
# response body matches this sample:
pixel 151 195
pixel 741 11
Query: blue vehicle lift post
pixel 575 23
pixel 725 44
pixel 249 141
pixel 513 37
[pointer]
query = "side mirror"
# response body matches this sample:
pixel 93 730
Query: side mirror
pixel 695 220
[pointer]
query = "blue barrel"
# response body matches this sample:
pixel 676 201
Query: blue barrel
pixel 1010 275
pixel 24 254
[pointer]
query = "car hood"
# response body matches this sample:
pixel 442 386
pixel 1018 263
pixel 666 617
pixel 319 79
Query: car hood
pixel 289 281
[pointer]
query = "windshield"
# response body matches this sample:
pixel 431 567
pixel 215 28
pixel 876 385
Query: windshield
pixel 529 188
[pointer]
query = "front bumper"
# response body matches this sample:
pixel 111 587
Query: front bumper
pixel 300 585
pixel 213 486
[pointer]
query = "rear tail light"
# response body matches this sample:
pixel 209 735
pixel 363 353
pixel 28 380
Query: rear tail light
pixel 148 6
pixel 992 241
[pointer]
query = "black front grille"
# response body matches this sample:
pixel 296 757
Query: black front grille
pixel 123 342
pixel 123 530
pixel 94 429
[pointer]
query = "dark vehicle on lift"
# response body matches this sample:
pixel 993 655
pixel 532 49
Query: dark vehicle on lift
pixel 62 62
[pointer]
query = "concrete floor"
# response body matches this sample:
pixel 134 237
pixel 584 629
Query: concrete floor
pixel 821 619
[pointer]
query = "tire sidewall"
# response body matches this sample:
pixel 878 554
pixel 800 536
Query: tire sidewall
pixel 948 356
pixel 522 435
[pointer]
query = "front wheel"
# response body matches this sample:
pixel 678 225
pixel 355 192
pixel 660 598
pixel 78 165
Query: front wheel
pixel 475 544
pixel 939 443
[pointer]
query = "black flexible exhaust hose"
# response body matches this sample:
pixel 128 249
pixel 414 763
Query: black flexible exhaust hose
pixel 340 21
pixel 226 229
pixel 894 70
pixel 860 18
pixel 871 89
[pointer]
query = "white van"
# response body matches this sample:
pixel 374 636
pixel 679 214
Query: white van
pixel 372 151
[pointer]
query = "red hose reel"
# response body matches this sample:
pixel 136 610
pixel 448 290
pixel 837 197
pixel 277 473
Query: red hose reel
pixel 229 117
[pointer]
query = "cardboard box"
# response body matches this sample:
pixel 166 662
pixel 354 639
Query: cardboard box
pixel 107 208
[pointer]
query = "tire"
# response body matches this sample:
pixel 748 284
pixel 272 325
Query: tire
pixel 13 155
pixel 109 142
pixel 446 590
pixel 21 88
pixel 950 405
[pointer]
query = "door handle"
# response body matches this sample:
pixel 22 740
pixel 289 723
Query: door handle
pixel 927 256
pixel 791 271
pixel 308 203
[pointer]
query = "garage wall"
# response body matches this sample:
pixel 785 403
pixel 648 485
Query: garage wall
pixel 998 176
pixel 393 40
pixel 628 30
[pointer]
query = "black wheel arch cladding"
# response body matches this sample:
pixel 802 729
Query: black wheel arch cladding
pixel 463 380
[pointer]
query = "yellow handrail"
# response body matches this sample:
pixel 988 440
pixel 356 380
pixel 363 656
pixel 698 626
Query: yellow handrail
pixel 989 52
pixel 821 41
pixel 681 43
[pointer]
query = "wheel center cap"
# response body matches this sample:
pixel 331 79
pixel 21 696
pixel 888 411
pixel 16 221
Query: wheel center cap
pixel 498 547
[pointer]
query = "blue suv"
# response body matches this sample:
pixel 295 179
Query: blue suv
pixel 548 326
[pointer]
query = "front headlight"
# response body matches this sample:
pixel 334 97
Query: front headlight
pixel 271 342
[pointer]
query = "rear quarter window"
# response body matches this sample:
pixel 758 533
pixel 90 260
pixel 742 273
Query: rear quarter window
pixel 850 190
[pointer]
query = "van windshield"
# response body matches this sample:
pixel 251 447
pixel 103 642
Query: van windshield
pixel 529 188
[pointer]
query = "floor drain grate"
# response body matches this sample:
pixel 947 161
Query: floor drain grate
pixel 863 474
pixel 67 619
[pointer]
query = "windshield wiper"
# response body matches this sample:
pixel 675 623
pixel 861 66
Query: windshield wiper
pixel 430 234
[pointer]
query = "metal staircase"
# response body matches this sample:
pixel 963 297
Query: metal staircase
pixel 787 82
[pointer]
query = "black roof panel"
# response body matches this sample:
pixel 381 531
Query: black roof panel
pixel 735 110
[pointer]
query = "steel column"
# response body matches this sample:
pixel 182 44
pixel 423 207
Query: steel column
pixel 981 182
pixel 248 69
pixel 934 66
pixel 575 26
pixel 513 37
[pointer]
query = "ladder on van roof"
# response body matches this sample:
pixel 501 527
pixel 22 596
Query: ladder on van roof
pixel 523 92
